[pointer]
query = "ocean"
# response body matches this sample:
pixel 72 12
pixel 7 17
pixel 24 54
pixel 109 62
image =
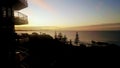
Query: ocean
pixel 85 36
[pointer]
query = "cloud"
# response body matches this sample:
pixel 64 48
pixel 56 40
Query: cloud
pixel 44 5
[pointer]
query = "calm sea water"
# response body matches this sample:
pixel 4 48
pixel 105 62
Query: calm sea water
pixel 86 36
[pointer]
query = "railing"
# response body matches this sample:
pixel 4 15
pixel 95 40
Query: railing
pixel 20 18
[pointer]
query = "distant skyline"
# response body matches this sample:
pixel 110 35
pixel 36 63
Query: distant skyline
pixel 72 12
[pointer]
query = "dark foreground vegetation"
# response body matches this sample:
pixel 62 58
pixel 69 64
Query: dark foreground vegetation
pixel 43 51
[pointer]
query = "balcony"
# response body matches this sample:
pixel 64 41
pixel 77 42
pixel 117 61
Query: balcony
pixel 20 4
pixel 16 4
pixel 20 18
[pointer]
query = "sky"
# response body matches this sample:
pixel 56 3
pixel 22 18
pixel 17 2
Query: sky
pixel 67 13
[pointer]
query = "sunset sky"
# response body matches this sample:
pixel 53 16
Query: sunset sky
pixel 72 12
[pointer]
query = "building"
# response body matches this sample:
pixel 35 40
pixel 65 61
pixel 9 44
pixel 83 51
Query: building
pixel 8 8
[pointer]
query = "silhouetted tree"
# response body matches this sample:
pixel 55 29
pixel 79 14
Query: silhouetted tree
pixel 77 39
pixel 60 36
pixel 40 33
pixel 93 42
pixel 65 39
pixel 55 35
pixel 34 33
pixel 82 45
pixel 70 42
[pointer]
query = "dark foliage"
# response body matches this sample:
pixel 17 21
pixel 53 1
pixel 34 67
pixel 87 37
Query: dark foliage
pixel 44 51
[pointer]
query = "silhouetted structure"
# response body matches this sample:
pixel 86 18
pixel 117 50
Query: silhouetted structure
pixel 7 31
